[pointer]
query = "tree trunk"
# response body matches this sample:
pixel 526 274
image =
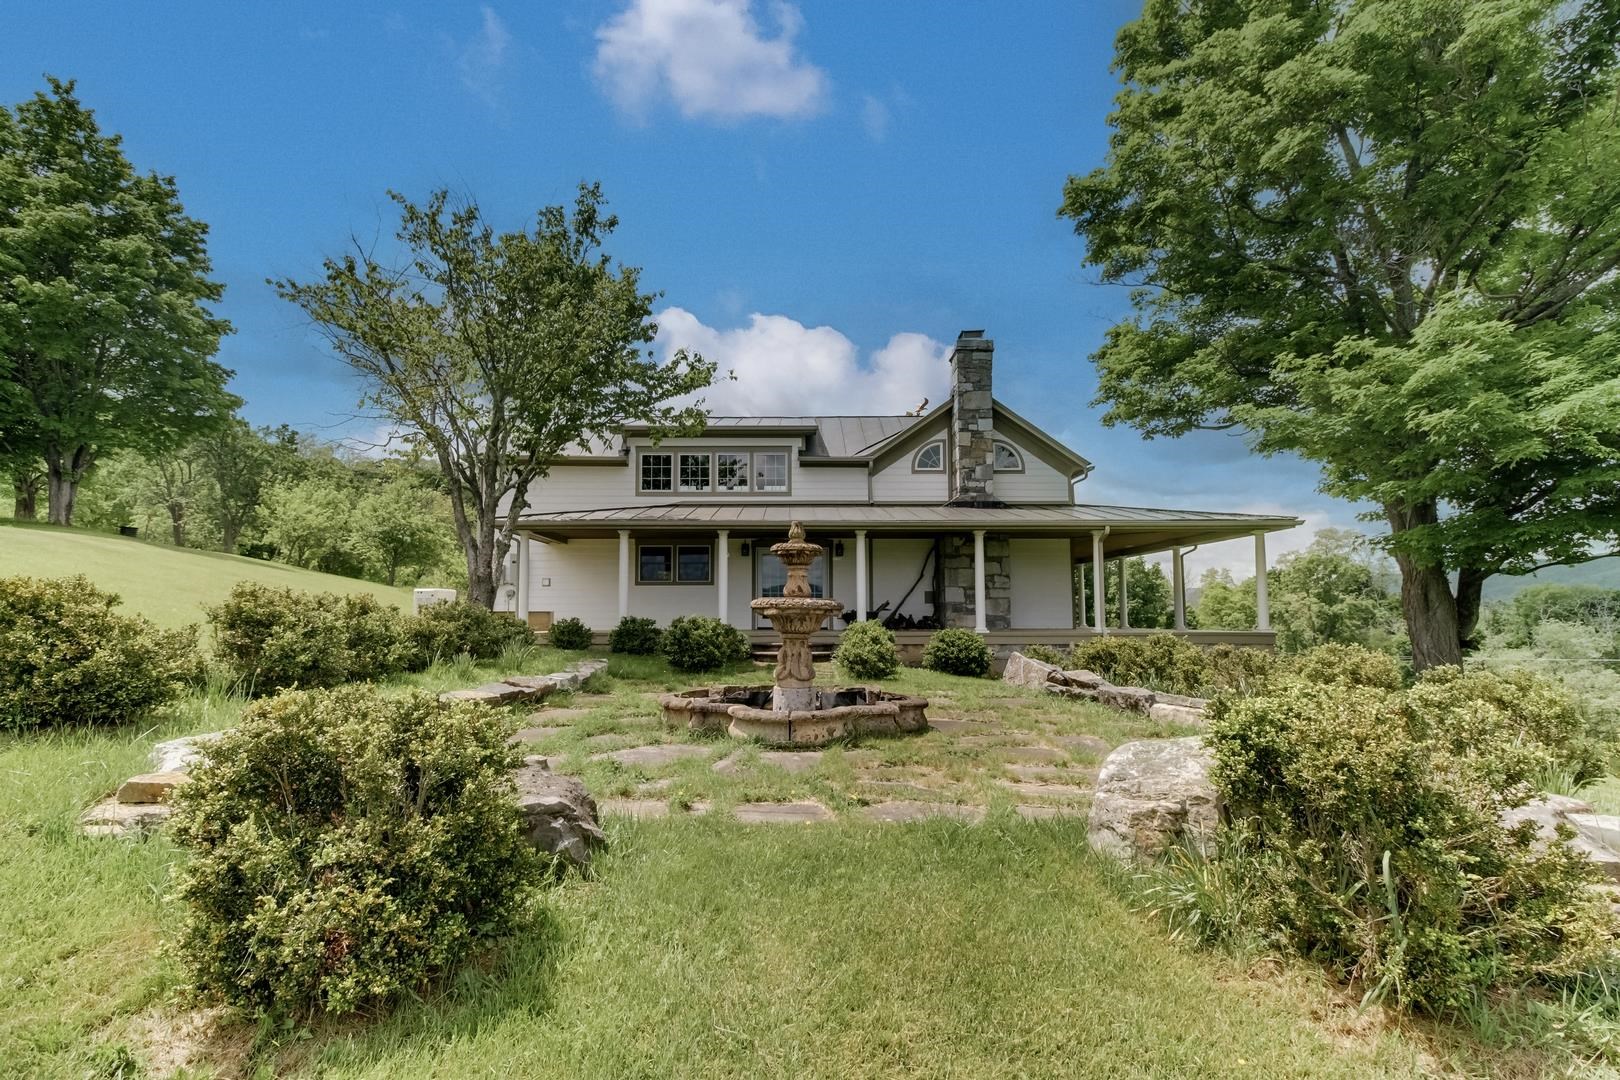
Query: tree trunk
pixel 25 506
pixel 1426 601
pixel 230 532
pixel 59 493
pixel 1470 597
pixel 177 524
pixel 392 571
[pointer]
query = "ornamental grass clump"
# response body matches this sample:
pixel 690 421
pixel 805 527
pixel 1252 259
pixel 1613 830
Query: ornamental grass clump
pixel 1366 834
pixel 66 657
pixel 957 651
pixel 867 651
pixel 347 847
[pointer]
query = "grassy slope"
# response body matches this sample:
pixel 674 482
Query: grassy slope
pixel 168 585
pixel 699 948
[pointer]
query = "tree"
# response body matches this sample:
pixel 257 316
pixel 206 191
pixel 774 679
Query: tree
pixel 176 483
pixel 499 351
pixel 27 477
pixel 1333 591
pixel 1224 604
pixel 401 524
pixel 240 462
pixel 1384 236
pixel 308 521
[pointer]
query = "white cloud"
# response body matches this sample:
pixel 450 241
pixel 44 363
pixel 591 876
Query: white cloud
pixel 710 57
pixel 479 60
pixel 875 119
pixel 784 368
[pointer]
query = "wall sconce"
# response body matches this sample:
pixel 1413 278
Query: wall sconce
pixel 745 549
pixel 838 549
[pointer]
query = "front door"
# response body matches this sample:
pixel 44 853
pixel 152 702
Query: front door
pixel 770 576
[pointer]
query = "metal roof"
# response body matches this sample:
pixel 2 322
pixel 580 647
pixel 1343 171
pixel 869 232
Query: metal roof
pixel 901 515
pixel 833 436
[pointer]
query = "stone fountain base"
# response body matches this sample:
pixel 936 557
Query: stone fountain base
pixel 746 712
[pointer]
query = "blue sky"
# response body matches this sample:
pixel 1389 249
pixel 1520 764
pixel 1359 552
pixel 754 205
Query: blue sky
pixel 833 189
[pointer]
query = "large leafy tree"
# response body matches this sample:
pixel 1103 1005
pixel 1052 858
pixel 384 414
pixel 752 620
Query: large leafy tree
pixel 106 336
pixel 500 350
pixel 1383 234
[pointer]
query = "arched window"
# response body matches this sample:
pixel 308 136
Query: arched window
pixel 1008 459
pixel 930 458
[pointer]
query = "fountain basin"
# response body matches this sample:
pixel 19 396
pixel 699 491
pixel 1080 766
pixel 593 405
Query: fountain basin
pixel 746 712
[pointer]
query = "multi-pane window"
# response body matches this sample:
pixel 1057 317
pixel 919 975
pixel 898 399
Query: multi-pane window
pixel 731 472
pixel 1007 459
pixel 657 472
pixel 694 474
pixel 930 458
pixel 680 564
pixel 770 472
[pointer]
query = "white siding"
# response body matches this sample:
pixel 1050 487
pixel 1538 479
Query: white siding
pixel 897 483
pixel 1042 585
pixel 895 565
pixel 583 580
pixel 1038 483
pixel 825 483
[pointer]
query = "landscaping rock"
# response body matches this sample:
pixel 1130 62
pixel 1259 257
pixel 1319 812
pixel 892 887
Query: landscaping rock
pixel 469 695
pixel 1023 670
pixel 1084 745
pixel 782 813
pixel 1166 713
pixel 545 717
pixel 1025 789
pixel 1033 812
pixel 1083 679
pixel 503 692
pixel 640 809
pixel 949 726
pixel 1032 754
pixel 903 811
pixel 1128 698
pixel 575 676
pixel 1149 794
pixel 558 813
pixel 179 755
pixel 791 761
pixel 147 788
pixel 661 754
pixel 535 684
pixel 1178 699
pixel 535 734
pixel 123 820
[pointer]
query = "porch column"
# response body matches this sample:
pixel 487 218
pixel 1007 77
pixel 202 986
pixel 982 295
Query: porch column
pixel 1178 588
pixel 624 572
pixel 862 600
pixel 521 607
pixel 1097 583
pixel 1080 599
pixel 980 605
pixel 1262 602
pixel 1124 598
pixel 722 571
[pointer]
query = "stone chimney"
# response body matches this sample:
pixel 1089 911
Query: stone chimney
pixel 972 467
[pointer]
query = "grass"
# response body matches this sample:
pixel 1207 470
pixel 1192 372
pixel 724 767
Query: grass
pixel 700 947
pixel 168 585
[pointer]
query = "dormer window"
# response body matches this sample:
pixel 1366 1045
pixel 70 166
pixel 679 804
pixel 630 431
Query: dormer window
pixel 930 458
pixel 1008 459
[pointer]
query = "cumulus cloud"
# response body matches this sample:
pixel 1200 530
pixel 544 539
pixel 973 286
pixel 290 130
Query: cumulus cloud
pixel 480 58
pixel 784 368
pixel 711 57
pixel 875 119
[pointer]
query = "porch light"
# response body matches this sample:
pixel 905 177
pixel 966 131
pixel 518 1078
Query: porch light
pixel 838 549
pixel 745 549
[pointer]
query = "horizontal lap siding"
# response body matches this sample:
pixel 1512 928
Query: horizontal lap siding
pixel 1038 483
pixel 895 565
pixel 897 483
pixel 1042 584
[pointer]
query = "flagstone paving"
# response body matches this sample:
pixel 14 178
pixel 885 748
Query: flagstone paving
pixel 782 813
pixel 904 810
pixel 659 754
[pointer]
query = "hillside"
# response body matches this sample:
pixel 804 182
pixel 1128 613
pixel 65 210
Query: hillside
pixel 1604 573
pixel 170 586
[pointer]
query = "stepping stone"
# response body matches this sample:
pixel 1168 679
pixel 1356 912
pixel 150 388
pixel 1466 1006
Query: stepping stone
pixel 791 761
pixel 905 810
pixel 661 754
pixel 535 734
pixel 1036 813
pixel 640 809
pixel 557 716
pixel 1084 745
pixel 1044 754
pixel 899 790
pixel 1037 774
pixel 949 725
pixel 655 787
pixel 782 813
pixel 1025 790
pixel 606 739
pixel 1007 739
pixel 148 788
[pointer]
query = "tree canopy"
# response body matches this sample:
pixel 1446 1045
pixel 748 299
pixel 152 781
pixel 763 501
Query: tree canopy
pixel 1382 234
pixel 106 335
pixel 500 350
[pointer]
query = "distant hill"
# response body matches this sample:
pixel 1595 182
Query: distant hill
pixel 168 585
pixel 1604 573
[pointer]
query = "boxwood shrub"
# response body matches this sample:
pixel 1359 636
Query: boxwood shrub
pixel 867 651
pixel 347 847
pixel 636 636
pixel 269 639
pixel 957 651
pixel 570 633
pixel 66 657
pixel 445 631
pixel 703 643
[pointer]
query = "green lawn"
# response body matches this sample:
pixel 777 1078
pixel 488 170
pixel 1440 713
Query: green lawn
pixel 168 585
pixel 701 947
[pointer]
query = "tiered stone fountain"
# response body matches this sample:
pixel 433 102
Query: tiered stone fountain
pixel 795 712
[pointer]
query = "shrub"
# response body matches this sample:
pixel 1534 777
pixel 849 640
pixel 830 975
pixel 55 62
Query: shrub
pixel 347 846
pixel 1371 838
pixel 636 636
pixel 1235 669
pixel 1158 661
pixel 1346 665
pixel 1048 655
pixel 957 651
pixel 570 633
pixel 703 643
pixel 271 639
pixel 444 631
pixel 67 658
pixel 867 651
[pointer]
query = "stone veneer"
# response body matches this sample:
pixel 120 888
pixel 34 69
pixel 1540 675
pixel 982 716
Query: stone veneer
pixel 956 564
pixel 972 419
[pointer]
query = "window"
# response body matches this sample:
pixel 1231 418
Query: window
pixel 731 472
pixel 770 472
pixel 678 564
pixel 1007 459
pixel 694 472
pixel 930 458
pixel 657 472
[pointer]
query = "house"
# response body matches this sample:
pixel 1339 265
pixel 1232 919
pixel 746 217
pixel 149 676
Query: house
pixel 965 515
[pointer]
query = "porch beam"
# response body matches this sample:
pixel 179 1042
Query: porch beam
pixel 1178 587
pixel 981 622
pixel 1097 608
pixel 722 572
pixel 1262 601
pixel 862 600
pixel 624 572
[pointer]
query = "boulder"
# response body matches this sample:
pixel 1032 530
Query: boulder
pixel 125 820
pixel 1167 713
pixel 1159 697
pixel 1024 670
pixel 559 815
pixel 179 755
pixel 1593 832
pixel 538 684
pixel 500 693
pixel 1085 680
pixel 153 787
pixel 1151 793
pixel 1128 698
pixel 576 674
